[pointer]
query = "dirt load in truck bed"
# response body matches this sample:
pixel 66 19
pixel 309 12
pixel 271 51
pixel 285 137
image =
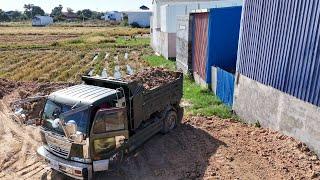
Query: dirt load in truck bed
pixel 152 77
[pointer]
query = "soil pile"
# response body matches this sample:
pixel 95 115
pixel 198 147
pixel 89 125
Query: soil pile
pixel 6 87
pixel 28 97
pixel 211 148
pixel 152 77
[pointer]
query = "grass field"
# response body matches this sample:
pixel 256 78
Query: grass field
pixel 66 53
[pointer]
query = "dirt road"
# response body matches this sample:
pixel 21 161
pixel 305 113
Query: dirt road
pixel 201 148
pixel 18 143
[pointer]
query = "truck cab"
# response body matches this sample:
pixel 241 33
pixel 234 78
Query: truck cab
pixel 87 127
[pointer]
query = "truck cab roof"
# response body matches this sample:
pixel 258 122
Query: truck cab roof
pixel 83 95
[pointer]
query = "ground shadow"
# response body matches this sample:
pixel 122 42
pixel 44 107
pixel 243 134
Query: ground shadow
pixel 181 154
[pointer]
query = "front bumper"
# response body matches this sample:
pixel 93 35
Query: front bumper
pixel 69 168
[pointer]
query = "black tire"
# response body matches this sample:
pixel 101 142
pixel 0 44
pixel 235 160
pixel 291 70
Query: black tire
pixel 180 112
pixel 169 122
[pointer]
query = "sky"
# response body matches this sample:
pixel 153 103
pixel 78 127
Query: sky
pixel 96 5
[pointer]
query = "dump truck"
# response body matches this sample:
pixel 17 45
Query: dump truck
pixel 89 127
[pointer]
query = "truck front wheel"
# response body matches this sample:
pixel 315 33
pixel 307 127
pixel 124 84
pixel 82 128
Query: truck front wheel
pixel 169 122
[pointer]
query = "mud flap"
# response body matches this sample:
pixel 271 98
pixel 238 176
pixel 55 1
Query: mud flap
pixel 101 165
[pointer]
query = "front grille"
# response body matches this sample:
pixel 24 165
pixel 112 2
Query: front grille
pixel 59 150
pixel 58 146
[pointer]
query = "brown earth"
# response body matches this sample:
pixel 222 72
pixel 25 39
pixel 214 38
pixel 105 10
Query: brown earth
pixel 200 148
pixel 152 77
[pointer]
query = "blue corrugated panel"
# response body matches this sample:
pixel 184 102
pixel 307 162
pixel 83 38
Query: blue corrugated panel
pixel 279 46
pixel 223 36
pixel 225 86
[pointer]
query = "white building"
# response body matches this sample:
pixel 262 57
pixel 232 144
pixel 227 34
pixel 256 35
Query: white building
pixel 113 16
pixel 42 20
pixel 164 22
pixel 139 17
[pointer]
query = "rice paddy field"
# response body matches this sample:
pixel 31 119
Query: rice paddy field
pixel 65 53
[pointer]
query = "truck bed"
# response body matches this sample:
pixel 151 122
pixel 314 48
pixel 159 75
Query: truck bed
pixel 143 103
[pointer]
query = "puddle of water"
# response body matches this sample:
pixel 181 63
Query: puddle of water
pixel 107 56
pixel 91 72
pixel 104 73
pixel 130 71
pixel 117 73
pixel 96 57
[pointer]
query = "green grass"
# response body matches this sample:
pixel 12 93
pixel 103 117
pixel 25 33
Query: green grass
pixel 121 41
pixel 201 101
pixel 160 61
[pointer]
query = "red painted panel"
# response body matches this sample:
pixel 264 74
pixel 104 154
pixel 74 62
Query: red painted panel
pixel 200 43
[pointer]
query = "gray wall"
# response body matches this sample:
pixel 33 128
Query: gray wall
pixel 256 102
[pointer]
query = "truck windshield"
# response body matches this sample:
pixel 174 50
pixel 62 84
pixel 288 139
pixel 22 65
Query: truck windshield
pixel 53 111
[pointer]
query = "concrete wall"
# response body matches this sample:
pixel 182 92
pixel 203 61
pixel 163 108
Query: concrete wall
pixel 140 17
pixel 279 111
pixel 167 45
pixel 183 45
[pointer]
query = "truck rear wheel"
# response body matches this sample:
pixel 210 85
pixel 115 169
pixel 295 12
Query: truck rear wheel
pixel 169 122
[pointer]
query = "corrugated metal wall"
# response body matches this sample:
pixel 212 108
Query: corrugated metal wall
pixel 200 43
pixel 223 36
pixel 279 46
pixel 225 86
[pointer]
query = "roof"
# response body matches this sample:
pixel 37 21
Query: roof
pixel 138 11
pixel 42 17
pixel 181 1
pixel 81 94
pixel 70 15
pixel 143 7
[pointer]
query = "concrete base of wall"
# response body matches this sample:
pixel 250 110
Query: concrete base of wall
pixel 200 81
pixel 256 102
pixel 214 79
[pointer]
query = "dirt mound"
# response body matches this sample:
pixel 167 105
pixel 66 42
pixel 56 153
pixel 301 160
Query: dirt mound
pixel 6 87
pixel 211 148
pixel 152 77
pixel 27 98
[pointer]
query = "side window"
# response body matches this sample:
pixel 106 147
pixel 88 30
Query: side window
pixel 109 120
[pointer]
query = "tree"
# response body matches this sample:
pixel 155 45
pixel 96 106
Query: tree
pixel 69 10
pixel 85 14
pixel 15 15
pixel 96 15
pixel 56 13
pixel 32 10
pixel 3 16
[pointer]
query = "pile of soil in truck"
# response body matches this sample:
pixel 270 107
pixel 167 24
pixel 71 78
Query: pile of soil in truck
pixel 152 77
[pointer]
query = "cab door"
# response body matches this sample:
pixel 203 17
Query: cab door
pixel 108 132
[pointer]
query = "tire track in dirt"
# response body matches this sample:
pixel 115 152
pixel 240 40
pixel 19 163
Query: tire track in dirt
pixel 18 149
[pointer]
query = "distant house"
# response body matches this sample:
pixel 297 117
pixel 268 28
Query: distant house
pixel 42 20
pixel 70 16
pixel 139 18
pixel 113 16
